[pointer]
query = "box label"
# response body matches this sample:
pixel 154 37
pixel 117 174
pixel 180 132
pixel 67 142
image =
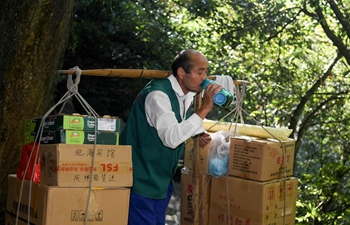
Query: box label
pixel 261 159
pixel 80 215
pixel 78 165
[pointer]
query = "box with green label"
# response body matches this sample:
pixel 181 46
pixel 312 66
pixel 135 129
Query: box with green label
pixel 72 137
pixel 73 122
pixel 32 124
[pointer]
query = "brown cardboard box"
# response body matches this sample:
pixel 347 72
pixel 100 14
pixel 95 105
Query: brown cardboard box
pixel 252 202
pixel 25 209
pixel 260 159
pixel 203 154
pixel 66 165
pixel 57 206
pixel 187 197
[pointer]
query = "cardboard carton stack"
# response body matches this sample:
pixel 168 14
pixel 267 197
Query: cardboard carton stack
pixel 75 176
pixel 259 188
pixel 187 196
pixel 187 187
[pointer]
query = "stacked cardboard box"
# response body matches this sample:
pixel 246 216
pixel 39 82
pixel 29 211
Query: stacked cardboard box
pixel 252 202
pixel 78 182
pixel 52 205
pixel 259 188
pixel 261 159
pixel 187 196
pixel 187 193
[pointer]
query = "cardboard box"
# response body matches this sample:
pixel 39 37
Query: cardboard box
pixel 202 153
pixel 57 206
pixel 32 124
pixel 251 202
pixel 260 159
pixel 70 165
pixel 22 206
pixel 73 137
pixel 73 122
pixel 187 197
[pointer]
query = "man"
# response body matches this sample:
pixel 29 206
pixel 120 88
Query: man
pixel 157 128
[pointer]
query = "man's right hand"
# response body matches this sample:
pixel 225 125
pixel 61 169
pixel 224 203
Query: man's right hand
pixel 208 100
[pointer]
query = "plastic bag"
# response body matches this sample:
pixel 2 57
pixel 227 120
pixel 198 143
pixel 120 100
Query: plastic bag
pixel 219 153
pixel 26 158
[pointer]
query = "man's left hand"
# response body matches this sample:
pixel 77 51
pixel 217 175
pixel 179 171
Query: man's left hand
pixel 204 139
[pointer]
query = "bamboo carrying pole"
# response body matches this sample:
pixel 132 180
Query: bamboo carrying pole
pixel 129 73
pixel 198 217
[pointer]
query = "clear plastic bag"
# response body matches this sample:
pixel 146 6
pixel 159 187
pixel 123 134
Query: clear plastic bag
pixel 219 153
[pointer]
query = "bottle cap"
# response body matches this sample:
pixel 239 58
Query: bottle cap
pixel 219 98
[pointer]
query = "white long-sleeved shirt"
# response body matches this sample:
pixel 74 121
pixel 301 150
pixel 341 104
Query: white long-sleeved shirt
pixel 160 116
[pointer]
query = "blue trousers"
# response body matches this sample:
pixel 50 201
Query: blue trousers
pixel 147 211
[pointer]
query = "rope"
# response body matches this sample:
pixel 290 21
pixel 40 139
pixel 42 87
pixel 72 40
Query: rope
pixel 204 191
pixel 72 87
pixel 238 115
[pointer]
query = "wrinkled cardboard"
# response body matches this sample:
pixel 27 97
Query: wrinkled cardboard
pixel 58 206
pixel 252 202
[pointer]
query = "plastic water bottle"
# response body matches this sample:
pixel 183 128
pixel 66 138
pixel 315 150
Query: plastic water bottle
pixel 223 98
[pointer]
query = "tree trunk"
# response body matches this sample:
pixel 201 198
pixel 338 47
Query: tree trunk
pixel 33 37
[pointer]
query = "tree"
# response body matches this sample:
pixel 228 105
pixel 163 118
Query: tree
pixel 33 38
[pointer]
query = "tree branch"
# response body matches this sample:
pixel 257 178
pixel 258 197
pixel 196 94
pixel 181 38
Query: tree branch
pixel 336 41
pixel 298 111
pixel 343 21
pixel 284 26
pixel 310 116
pixel 307 12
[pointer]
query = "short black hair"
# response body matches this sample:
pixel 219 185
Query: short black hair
pixel 183 59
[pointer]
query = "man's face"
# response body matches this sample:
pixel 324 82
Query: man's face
pixel 192 81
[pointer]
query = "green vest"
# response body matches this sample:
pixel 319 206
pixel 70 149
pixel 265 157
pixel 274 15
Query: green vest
pixel 154 164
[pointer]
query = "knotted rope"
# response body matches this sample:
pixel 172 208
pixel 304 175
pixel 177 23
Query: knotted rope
pixel 72 87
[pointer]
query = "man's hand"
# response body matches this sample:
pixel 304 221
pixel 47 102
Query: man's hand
pixel 208 100
pixel 204 139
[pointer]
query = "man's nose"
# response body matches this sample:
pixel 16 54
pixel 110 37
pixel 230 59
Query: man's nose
pixel 204 75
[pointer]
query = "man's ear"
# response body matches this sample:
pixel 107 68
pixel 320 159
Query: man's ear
pixel 181 72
